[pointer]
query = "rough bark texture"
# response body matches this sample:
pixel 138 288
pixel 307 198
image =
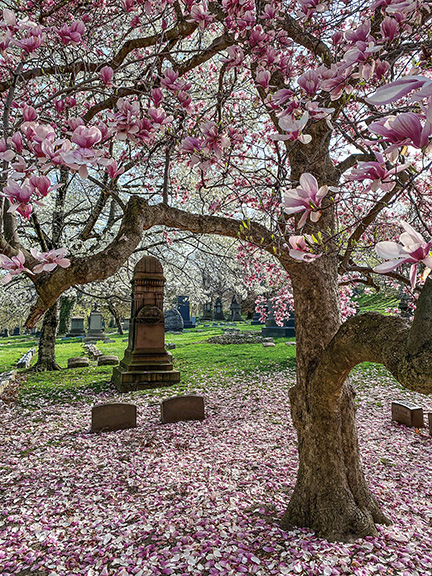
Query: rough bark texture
pixel 46 352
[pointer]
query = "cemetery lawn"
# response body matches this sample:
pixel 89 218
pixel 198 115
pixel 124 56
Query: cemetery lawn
pixel 194 498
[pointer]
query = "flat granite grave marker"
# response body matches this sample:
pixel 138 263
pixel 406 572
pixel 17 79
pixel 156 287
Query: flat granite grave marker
pixel 180 408
pixel 115 416
pixel 78 362
pixel 408 413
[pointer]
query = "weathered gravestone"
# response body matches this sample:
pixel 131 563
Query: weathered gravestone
pixel 78 362
pixel 408 413
pixel 183 307
pixel 17 331
pixel 275 331
pixel 96 327
pixel 77 327
pixel 173 321
pixel 116 416
pixel 235 311
pixel 126 323
pixel 207 312
pixel 146 363
pixel 218 313
pixel 107 360
pixel 181 408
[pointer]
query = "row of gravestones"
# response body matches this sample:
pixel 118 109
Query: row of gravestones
pixel 120 416
pixel 410 414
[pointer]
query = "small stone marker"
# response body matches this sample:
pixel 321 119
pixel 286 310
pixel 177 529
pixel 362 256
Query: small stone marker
pixel 116 416
pixel 78 362
pixel 408 413
pixel 108 360
pixel 181 408
pixel 268 344
pixel 290 343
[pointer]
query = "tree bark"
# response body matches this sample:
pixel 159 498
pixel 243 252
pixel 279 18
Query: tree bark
pixel 46 353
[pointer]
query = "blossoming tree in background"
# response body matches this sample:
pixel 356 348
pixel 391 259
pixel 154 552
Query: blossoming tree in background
pixel 304 128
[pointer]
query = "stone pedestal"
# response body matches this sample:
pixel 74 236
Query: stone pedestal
pixel 96 327
pixel 146 363
pixel 77 327
pixel 184 308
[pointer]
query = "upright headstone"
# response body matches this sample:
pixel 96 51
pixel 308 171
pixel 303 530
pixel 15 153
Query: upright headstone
pixel 96 327
pixel 17 331
pixel 207 313
pixel 146 363
pixel 173 321
pixel 218 314
pixel 115 416
pixel 77 327
pixel 183 307
pixel 126 323
pixel 6 333
pixel 235 311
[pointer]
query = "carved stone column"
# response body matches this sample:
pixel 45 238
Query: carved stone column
pixel 146 363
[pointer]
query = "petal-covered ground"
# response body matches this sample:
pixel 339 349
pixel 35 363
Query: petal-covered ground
pixel 201 498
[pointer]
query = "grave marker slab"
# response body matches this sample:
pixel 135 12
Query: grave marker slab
pixel 107 360
pixel 78 362
pixel 115 416
pixel 181 408
pixel 408 413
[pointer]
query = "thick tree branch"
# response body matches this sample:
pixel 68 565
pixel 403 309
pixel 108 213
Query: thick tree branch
pixel 405 351
pixel 139 216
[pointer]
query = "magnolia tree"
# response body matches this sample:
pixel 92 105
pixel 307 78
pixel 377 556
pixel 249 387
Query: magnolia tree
pixel 300 127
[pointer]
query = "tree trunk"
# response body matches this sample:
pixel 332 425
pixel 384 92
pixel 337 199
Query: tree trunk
pixel 116 317
pixel 46 353
pixel 331 495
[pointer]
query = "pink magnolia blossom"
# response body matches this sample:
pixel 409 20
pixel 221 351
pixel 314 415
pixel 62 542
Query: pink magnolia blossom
pixel 40 184
pixel 106 74
pixel 72 34
pixel 306 198
pixel 50 260
pixel 309 82
pixel 32 41
pixel 294 127
pixel 29 114
pixel 263 78
pixel 5 154
pixel 113 169
pixel 414 249
pixel 126 121
pixel 399 88
pixel 14 266
pixel 378 173
pixel 19 197
pixel 405 129
pixel 86 137
pixel 301 248
pixel 200 15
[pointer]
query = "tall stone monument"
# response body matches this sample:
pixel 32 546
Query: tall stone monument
pixel 146 363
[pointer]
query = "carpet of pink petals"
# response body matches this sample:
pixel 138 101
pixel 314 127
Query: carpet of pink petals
pixel 200 498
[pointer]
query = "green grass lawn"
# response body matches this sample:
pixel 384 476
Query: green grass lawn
pixel 193 356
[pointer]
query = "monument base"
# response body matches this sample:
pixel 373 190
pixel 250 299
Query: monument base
pixel 76 334
pixel 278 332
pixel 130 380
